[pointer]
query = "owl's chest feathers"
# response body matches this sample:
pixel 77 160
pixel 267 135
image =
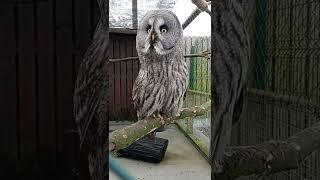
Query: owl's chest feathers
pixel 160 86
pixel 165 73
pixel 164 77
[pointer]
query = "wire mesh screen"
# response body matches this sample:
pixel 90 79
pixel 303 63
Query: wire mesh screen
pixel 199 91
pixel 284 84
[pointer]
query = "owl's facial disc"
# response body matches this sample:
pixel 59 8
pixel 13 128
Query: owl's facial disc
pixel 159 33
pixel 156 34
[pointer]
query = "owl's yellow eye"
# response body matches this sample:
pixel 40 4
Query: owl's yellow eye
pixel 163 30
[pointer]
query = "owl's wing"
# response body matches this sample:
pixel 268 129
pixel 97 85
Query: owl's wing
pixel 136 94
pixel 91 84
pixel 238 108
pixel 140 94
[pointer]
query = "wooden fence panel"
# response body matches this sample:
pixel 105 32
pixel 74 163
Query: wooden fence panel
pixel 111 80
pixel 117 86
pixel 122 76
pixel 129 77
pixel 43 43
pixel 27 91
pixel 65 86
pixel 45 89
pixel 123 79
pixel 9 151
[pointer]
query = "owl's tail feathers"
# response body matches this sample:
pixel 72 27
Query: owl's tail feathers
pixel 221 132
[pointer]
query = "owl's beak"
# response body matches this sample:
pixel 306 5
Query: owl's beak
pixel 153 36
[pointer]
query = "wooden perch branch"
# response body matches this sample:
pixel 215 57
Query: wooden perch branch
pixel 202 54
pixel 122 138
pixel 272 156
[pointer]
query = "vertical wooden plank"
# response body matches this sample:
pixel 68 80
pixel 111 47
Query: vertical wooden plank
pixel 46 123
pixel 111 79
pixel 64 70
pixel 205 65
pixel 117 70
pixel 27 87
pixel 129 79
pixel 135 67
pixel 8 91
pixel 201 48
pixel 135 64
pixel 123 78
pixel 209 66
pixel 194 45
pixel 197 44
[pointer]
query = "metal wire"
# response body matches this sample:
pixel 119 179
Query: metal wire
pixel 284 76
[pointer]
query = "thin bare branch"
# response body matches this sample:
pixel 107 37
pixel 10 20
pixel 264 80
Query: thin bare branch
pixel 203 54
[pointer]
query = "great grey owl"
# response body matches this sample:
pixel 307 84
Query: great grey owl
pixel 90 98
pixel 230 59
pixel 163 76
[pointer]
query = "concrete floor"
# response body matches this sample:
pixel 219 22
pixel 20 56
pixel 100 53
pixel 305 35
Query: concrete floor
pixel 181 161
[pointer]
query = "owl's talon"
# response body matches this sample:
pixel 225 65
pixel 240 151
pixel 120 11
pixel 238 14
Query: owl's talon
pixel 158 117
pixel 161 118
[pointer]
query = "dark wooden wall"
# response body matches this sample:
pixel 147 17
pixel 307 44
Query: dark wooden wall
pixel 122 76
pixel 41 46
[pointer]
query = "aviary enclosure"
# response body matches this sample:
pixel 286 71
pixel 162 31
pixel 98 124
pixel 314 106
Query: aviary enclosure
pixel 283 92
pixel 43 43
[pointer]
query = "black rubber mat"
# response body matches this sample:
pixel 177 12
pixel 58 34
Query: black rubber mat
pixel 146 149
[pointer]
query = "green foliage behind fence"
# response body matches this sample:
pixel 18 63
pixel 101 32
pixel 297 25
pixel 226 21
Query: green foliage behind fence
pixel 198 130
pixel 285 65
pixel 200 71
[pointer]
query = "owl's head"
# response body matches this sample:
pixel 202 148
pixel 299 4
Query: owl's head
pixel 158 33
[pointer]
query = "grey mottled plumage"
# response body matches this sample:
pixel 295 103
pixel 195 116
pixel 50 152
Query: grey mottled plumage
pixel 163 75
pixel 90 99
pixel 230 56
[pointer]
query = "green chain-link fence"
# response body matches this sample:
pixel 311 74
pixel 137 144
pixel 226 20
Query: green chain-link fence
pixel 285 67
pixel 198 92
